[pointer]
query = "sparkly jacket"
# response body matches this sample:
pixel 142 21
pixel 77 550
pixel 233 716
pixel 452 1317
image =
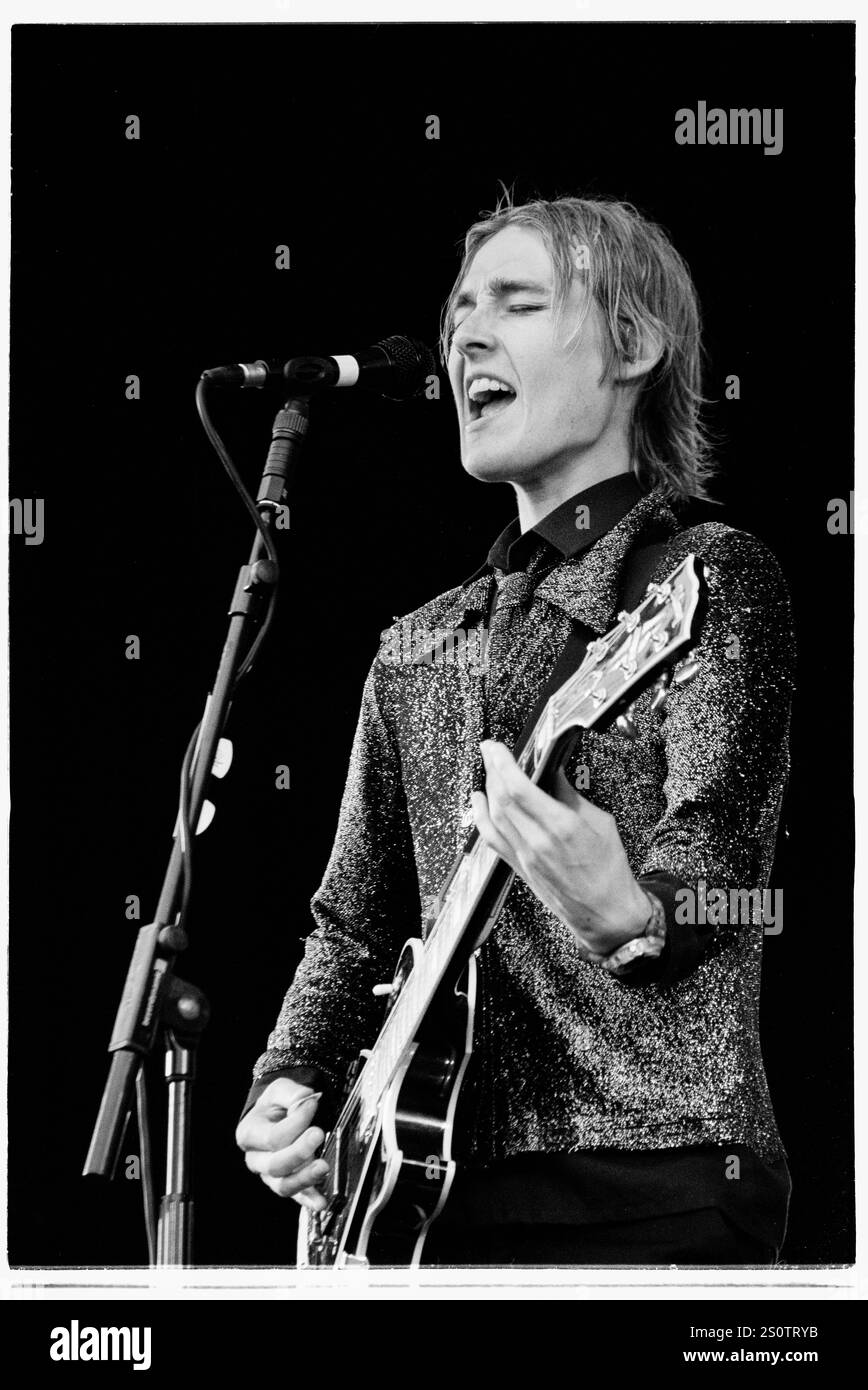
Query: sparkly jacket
pixel 567 1057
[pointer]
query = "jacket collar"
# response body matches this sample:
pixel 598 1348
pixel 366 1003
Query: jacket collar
pixel 587 588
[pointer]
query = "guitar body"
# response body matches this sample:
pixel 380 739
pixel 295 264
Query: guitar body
pixel 402 1170
pixel 389 1156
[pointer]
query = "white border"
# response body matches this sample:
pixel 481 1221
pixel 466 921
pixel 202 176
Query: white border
pixel 399 12
pixel 786 1282
pixel 789 1282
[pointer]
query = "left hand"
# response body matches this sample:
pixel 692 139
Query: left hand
pixel 566 849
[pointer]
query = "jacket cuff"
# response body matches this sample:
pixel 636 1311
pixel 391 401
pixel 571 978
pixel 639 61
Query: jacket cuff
pixel 685 943
pixel 305 1076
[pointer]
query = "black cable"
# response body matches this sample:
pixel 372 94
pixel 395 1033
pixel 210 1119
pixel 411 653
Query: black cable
pixel 186 831
pixel 267 538
pixel 260 637
pixel 225 459
pixel 147 1174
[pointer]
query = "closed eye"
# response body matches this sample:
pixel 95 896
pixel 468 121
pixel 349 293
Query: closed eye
pixel 513 309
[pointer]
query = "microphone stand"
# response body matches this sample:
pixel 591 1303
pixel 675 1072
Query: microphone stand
pixel 154 997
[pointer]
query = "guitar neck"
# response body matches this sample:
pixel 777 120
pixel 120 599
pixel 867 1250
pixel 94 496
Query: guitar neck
pixel 470 902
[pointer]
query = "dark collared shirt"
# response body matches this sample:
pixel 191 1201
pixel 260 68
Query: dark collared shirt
pixel 570 529
pixel 597 1101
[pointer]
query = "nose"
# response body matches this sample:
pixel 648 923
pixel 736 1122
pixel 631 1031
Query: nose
pixel 475 334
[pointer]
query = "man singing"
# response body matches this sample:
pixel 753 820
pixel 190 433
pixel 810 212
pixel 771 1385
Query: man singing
pixel 617 1110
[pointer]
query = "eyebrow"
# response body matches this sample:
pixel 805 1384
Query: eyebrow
pixel 501 287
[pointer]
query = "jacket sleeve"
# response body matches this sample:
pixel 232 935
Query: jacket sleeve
pixel 726 741
pixel 365 908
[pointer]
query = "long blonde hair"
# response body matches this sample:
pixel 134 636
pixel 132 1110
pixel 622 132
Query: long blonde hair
pixel 643 288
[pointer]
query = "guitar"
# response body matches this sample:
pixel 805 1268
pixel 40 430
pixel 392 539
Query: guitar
pixel 390 1151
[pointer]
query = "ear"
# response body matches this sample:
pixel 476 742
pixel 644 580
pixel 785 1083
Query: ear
pixel 643 353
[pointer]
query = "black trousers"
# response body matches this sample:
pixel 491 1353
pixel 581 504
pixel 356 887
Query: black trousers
pixel 703 1237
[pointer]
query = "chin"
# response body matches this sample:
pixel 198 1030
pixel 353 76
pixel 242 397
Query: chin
pixel 488 463
pixel 496 466
pixel 488 470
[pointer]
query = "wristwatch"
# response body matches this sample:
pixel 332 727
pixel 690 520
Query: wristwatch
pixel 648 945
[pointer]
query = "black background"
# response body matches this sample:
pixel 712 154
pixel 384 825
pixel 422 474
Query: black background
pixel 156 258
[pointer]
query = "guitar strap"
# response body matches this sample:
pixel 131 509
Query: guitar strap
pixel 638 569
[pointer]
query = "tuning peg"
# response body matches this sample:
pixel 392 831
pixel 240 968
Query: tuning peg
pixel 661 692
pixel 380 990
pixel 624 724
pixel 685 673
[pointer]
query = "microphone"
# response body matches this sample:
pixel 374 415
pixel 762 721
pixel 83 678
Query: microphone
pixel 397 367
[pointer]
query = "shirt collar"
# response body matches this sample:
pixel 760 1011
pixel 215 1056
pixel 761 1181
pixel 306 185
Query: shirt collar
pixel 571 529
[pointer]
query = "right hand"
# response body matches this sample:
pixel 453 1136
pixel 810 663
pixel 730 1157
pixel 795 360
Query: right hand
pixel 280 1144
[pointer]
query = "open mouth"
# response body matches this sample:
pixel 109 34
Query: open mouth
pixel 487 396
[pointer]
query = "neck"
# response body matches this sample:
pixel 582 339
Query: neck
pixel 537 497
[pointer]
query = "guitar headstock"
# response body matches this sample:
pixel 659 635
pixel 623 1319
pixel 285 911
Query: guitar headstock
pixel 624 661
